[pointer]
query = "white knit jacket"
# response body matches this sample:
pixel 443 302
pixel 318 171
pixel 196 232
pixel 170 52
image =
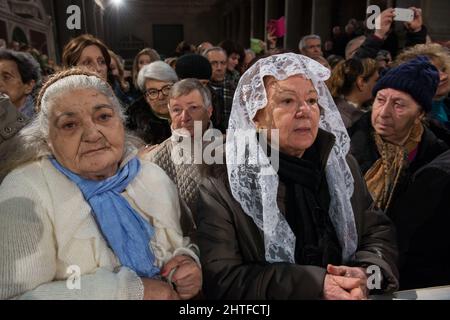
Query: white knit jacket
pixel 47 231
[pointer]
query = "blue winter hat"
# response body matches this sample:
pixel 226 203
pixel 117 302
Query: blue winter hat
pixel 417 77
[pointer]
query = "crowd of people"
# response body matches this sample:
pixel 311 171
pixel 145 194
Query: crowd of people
pixel 108 170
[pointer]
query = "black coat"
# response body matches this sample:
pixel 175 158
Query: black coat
pixel 373 44
pixel 145 124
pixel 422 218
pixel 232 246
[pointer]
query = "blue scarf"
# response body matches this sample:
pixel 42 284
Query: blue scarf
pixel 125 230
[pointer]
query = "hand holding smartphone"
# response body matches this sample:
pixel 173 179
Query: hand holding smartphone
pixel 405 15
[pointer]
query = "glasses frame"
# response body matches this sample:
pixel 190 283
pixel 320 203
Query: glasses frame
pixel 155 92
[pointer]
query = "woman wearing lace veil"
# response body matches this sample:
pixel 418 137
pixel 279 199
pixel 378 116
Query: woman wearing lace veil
pixel 306 231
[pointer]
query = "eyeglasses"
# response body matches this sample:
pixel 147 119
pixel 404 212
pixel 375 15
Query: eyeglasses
pixel 153 94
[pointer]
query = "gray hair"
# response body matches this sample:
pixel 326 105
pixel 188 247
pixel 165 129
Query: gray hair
pixel 302 43
pixel 157 70
pixel 349 50
pixel 251 52
pixel 206 52
pixel 186 86
pixel 68 84
pixel 32 141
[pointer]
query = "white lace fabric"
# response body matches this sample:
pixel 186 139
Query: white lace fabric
pixel 254 188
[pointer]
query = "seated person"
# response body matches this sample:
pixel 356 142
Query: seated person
pixel 438 118
pixel 351 85
pixel 307 232
pixel 391 143
pixel 20 76
pixel 148 117
pixel 80 201
pixel 182 155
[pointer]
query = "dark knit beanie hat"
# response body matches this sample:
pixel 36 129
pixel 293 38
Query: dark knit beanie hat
pixel 193 66
pixel 417 77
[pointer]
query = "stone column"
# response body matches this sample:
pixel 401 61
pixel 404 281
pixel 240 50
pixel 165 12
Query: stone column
pixel 235 27
pixel 244 24
pixel 436 18
pixel 270 13
pixel 257 16
pixel 292 14
pixel 321 18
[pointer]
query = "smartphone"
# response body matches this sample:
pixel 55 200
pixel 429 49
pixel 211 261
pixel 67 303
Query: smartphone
pixel 406 15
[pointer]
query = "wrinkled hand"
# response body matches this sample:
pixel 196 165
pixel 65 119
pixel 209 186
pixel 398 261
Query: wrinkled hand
pixel 187 277
pixel 361 292
pixel 416 24
pixel 339 288
pixel 158 290
pixel 386 17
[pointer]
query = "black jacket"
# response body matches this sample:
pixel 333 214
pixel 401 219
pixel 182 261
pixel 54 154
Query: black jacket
pixel 373 44
pixel 422 218
pixel 145 124
pixel 232 246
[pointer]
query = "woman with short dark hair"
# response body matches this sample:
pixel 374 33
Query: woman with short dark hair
pixel 20 75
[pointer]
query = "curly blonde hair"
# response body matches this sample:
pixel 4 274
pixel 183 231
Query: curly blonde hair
pixel 433 51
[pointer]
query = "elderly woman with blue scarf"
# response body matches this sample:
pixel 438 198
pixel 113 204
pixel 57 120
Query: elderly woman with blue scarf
pixel 80 216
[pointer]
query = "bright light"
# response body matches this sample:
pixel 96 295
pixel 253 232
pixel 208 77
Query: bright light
pixel 117 3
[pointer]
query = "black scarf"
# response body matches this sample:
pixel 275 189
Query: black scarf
pixel 307 203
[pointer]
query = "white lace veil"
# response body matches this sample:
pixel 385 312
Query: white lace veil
pixel 256 189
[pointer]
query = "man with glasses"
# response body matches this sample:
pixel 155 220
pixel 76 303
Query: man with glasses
pixel 222 86
pixel 149 116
